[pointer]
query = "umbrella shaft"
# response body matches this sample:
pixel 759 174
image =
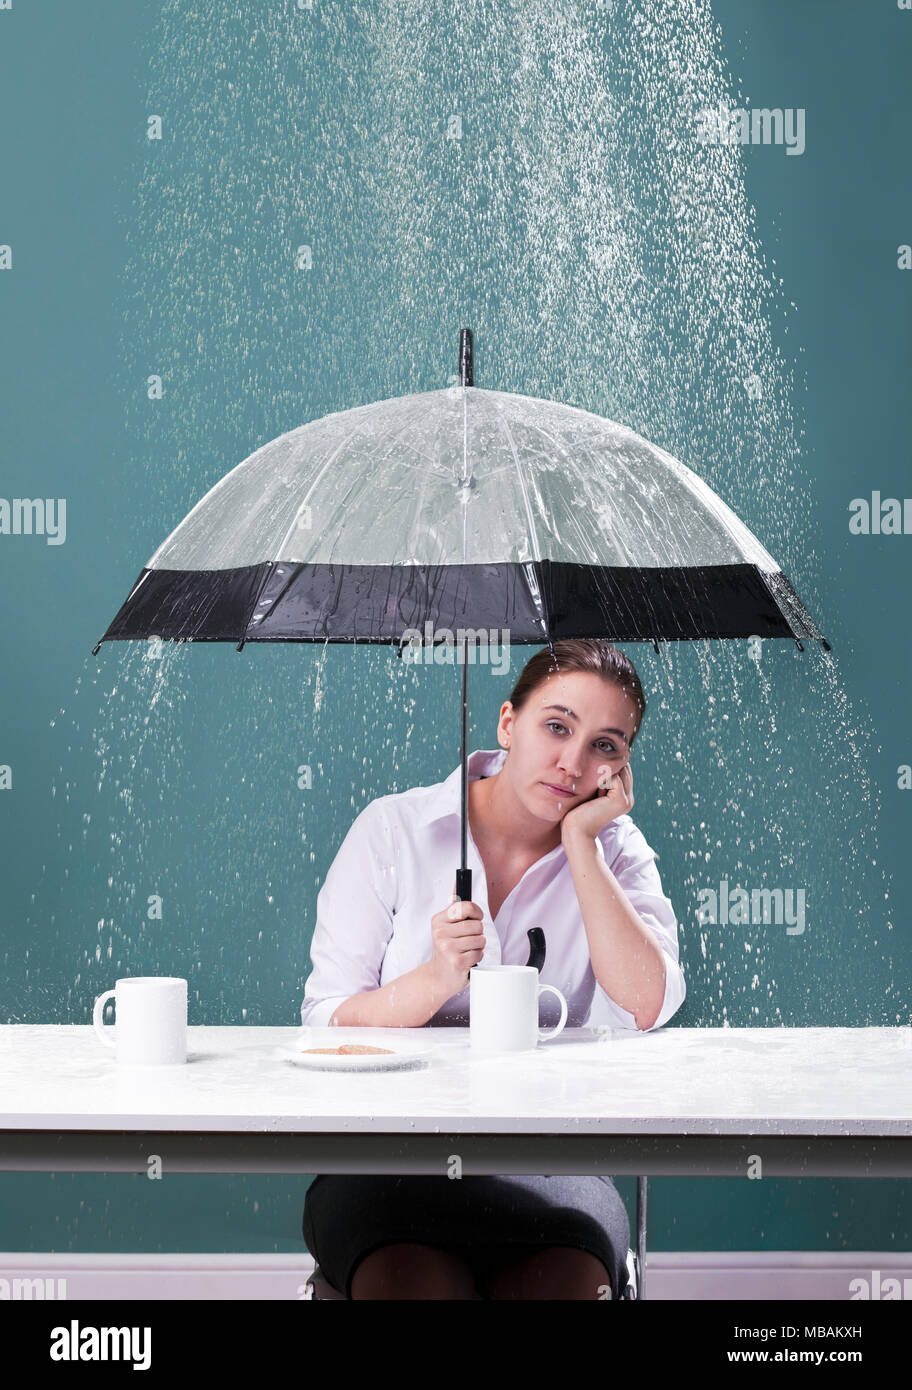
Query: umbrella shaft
pixel 464 874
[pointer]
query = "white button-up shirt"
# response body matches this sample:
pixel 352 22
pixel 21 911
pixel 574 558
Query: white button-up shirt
pixel 397 867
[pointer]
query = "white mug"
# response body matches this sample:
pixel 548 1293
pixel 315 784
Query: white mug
pixel 503 1008
pixel 151 1024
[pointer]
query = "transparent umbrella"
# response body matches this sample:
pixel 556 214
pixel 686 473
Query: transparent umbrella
pixel 455 515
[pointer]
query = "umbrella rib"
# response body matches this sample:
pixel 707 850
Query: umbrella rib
pixel 421 467
pixel 419 499
pixel 522 485
pixel 618 540
pixel 583 445
pixel 537 558
pixel 424 467
pixel 310 491
pixel 328 464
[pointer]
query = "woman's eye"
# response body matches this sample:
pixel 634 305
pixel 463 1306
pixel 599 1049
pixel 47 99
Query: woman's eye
pixel 603 743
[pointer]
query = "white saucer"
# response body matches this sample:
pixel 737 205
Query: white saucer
pixel 405 1054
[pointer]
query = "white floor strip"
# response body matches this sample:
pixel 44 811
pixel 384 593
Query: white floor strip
pixel 747 1275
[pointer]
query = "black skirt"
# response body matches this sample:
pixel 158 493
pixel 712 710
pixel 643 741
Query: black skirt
pixel 346 1216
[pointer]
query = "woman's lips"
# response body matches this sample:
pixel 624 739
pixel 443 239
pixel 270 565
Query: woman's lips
pixel 558 791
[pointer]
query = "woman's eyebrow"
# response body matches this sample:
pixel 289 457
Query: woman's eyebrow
pixel 563 709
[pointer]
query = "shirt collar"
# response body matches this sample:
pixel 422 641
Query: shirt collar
pixel 446 799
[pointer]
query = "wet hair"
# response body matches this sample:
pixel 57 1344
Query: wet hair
pixel 591 654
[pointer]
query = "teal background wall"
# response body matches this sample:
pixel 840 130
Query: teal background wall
pixel 604 257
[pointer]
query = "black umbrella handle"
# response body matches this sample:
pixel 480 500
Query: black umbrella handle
pixel 464 889
pixel 535 934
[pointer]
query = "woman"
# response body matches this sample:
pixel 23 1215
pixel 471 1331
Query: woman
pixel 551 844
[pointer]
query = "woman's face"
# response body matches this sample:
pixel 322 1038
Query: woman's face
pixel 570 726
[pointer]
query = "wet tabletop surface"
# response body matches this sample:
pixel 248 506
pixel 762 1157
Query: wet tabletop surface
pixel 840 1081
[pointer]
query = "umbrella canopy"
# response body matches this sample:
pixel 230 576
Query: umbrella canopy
pixel 466 508
pixel 473 511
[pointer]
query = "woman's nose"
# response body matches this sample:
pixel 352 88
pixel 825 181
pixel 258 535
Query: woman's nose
pixel 570 765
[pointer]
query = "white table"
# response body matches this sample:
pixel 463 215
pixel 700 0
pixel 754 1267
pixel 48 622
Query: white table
pixel 812 1102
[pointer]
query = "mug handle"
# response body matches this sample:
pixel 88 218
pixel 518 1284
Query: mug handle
pixel 98 1017
pixel 560 1025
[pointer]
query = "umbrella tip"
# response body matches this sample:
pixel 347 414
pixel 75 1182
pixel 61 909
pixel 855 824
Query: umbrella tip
pixel 466 374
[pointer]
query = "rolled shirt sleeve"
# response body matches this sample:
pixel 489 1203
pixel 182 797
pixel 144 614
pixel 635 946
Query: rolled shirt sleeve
pixel 634 867
pixel 354 919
